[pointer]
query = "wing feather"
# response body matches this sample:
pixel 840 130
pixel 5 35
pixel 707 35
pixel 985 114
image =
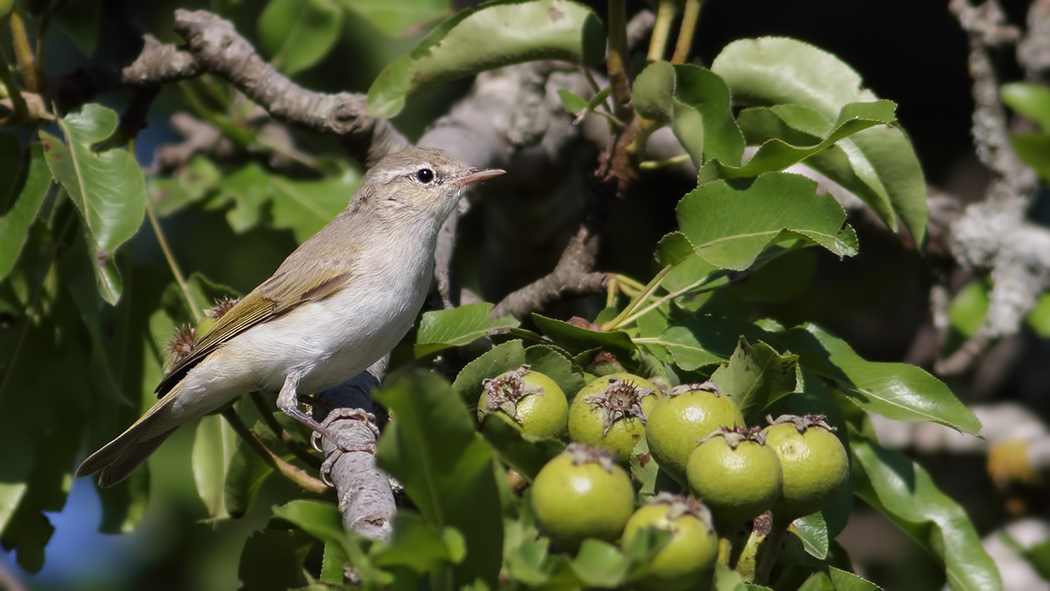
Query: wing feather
pixel 278 295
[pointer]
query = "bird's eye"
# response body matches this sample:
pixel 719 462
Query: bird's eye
pixel 425 175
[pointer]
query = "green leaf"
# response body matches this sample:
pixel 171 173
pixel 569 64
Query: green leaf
pixel 417 545
pixel 896 390
pixel 727 579
pixel 647 472
pixel 687 352
pixel 21 202
pixel 577 339
pixel 755 376
pixel 877 164
pixel 107 188
pixel 491 36
pixel 301 206
pixel 776 70
pixel 572 102
pixel 457 327
pixel 777 152
pixel 77 275
pixel 297 34
pixel 599 564
pixel 526 553
pixel 847 581
pixel 1034 150
pixel 818 581
pixel 813 136
pixel 689 271
pixel 332 564
pixel 968 308
pixel 497 360
pixel 729 227
pixel 719 336
pixel 653 92
pixel 579 106
pixel 27 533
pixel 696 103
pixel 1028 99
pixel 398 17
pixel 524 453
pixel 244 477
pixel 1032 101
pixel 1036 555
pixel 1039 318
pixel 555 365
pixel 80 22
pixel 272 559
pixel 431 447
pixel 193 181
pixel 903 491
pixel 304 207
pixel 213 448
pixel 813 532
pixel 322 521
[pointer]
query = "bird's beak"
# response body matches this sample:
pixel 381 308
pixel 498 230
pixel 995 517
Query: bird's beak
pixel 474 175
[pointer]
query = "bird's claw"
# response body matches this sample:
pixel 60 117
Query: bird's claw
pixel 340 447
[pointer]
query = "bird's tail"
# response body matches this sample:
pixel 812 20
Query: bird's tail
pixel 119 458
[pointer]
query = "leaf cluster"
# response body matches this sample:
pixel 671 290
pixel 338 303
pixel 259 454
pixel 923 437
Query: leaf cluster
pixel 79 293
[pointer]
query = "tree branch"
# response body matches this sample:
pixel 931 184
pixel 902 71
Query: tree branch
pixel 213 45
pixel 366 498
pixel 994 233
pixel 572 276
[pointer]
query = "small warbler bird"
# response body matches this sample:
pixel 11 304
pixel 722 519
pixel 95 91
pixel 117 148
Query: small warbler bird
pixel 336 305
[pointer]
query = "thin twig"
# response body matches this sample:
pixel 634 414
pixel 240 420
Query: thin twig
pixel 571 275
pixel 293 473
pixel 280 433
pixel 179 279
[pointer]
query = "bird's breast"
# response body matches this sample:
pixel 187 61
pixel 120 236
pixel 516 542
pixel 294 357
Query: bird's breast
pixel 330 340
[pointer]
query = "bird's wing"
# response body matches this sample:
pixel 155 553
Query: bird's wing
pixel 292 286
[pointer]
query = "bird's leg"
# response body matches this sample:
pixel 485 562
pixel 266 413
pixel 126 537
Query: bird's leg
pixel 288 402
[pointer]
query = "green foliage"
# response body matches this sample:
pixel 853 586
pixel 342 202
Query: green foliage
pixel 1032 101
pixel 730 228
pixel 106 187
pixel 903 491
pixel 695 102
pixel 432 448
pixel 459 326
pixel 877 164
pixel 74 295
pixel 757 376
pixel 14 225
pixel 398 17
pixel 298 34
pixel 493 35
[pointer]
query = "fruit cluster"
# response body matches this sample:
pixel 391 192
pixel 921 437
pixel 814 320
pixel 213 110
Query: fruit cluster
pixel 696 434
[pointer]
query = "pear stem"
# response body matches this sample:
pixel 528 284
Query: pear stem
pixel 685 35
pixel 619 78
pixel 666 10
pixel 23 53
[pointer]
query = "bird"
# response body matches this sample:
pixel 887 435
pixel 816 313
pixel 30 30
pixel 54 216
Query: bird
pixel 340 302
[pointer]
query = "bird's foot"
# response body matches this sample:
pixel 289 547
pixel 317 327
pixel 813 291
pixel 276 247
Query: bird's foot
pixel 362 443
